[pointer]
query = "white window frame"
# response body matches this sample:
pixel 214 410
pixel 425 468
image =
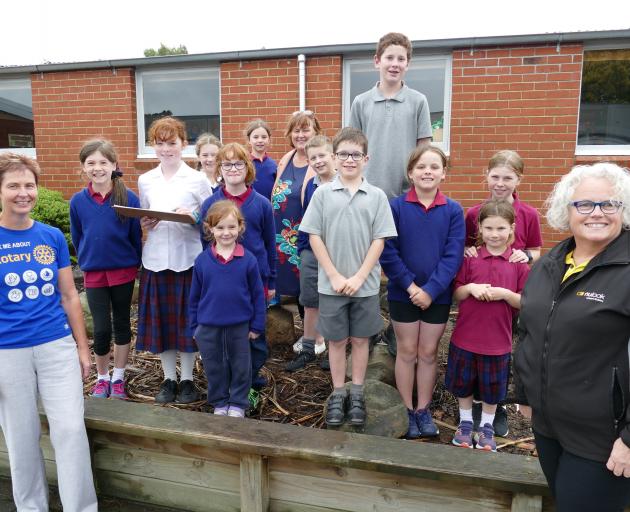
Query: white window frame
pixel 417 62
pixel 31 152
pixel 147 152
pixel 599 149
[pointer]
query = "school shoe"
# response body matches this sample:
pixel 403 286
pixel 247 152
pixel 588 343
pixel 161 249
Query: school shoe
pixel 300 361
pixel 485 439
pixel 101 389
pixel 476 414
pixel 187 392
pixel 426 426
pixel 118 390
pixel 500 423
pixel 167 393
pixel 336 410
pixel 463 435
pixel 236 412
pixel 413 432
pixel 356 409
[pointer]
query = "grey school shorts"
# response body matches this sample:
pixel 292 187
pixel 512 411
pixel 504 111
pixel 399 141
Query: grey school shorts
pixel 309 298
pixel 341 316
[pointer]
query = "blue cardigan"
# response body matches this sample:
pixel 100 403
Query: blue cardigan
pixel 429 249
pixel 303 240
pixel 265 176
pixel 102 241
pixel 223 294
pixel 260 232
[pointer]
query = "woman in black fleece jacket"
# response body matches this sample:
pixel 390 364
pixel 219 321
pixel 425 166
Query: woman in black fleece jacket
pixel 572 363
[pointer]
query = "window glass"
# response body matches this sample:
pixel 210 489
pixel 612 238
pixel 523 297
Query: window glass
pixel 605 99
pixel 191 95
pixel 16 114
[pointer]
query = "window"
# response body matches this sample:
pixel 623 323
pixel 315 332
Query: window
pixel 191 95
pixel 604 126
pixel 16 116
pixel 431 75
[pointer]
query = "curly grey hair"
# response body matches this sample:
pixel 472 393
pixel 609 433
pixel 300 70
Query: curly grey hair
pixel 558 201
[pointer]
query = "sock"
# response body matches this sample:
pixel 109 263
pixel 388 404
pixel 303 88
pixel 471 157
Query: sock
pixel 308 345
pixel 119 374
pixel 465 415
pixel 104 377
pixel 486 418
pixel 356 389
pixel 340 391
pixel 169 359
pixel 187 361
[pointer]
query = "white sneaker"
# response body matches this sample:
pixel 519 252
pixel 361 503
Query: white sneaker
pixel 236 412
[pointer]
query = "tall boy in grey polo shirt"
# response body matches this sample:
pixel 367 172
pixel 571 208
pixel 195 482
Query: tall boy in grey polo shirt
pixel 393 117
pixel 348 221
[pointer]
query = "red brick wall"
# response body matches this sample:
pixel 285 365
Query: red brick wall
pixel 269 89
pixel 521 98
pixel 71 107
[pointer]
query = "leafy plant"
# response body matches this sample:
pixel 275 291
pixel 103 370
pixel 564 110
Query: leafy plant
pixel 52 209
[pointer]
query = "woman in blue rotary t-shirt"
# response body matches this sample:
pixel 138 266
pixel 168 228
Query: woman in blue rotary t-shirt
pixel 40 319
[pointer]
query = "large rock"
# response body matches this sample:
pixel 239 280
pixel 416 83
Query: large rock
pixel 386 414
pixel 280 328
pixel 380 366
pixel 89 322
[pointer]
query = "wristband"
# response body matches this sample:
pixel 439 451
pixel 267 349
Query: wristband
pixel 530 258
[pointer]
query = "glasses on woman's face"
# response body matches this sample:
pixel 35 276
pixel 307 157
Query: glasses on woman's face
pixel 239 165
pixel 587 207
pixel 357 156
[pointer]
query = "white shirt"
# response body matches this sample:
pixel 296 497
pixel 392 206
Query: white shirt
pixel 172 245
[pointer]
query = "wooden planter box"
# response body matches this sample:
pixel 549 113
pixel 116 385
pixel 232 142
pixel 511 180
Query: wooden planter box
pixel 193 461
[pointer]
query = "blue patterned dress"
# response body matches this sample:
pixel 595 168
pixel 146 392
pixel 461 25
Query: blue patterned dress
pixel 287 214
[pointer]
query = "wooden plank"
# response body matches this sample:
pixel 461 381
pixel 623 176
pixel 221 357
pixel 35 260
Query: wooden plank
pixel 167 494
pixel 172 468
pixel 502 471
pixel 526 503
pixel 426 495
pixel 288 506
pixel 254 483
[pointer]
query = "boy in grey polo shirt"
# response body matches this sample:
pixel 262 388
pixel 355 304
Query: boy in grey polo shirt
pixel 348 221
pixel 394 117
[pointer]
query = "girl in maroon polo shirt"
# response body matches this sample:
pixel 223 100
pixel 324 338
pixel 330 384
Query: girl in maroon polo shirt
pixel 488 289
pixel 504 174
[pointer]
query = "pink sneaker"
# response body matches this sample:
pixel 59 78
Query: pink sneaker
pixel 118 390
pixel 101 389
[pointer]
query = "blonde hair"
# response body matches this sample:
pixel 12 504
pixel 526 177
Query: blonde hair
pixel 510 159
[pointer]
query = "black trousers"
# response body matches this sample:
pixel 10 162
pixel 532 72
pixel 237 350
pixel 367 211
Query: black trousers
pixel 580 484
pixel 103 302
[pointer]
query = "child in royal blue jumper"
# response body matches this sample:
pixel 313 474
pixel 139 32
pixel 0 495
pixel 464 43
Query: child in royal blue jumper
pixel 109 248
pixel 258 135
pixel 421 264
pixel 237 176
pixel 226 310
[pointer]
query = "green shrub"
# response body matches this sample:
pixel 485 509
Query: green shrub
pixel 52 209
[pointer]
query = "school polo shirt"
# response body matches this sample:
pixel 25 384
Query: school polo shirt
pixel 486 327
pixel 392 127
pixel 526 233
pixel 348 225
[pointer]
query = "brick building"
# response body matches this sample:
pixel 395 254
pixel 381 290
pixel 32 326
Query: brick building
pixel 558 99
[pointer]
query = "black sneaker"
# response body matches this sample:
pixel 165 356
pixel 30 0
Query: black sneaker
pixel 336 410
pixel 476 412
pixel 168 390
pixel 356 410
pixel 325 362
pixel 302 359
pixel 389 337
pixel 187 392
pixel 500 423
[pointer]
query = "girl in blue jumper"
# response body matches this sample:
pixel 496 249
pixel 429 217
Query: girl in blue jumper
pixel 258 135
pixel 109 248
pixel 226 309
pixel 238 175
pixel 421 264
